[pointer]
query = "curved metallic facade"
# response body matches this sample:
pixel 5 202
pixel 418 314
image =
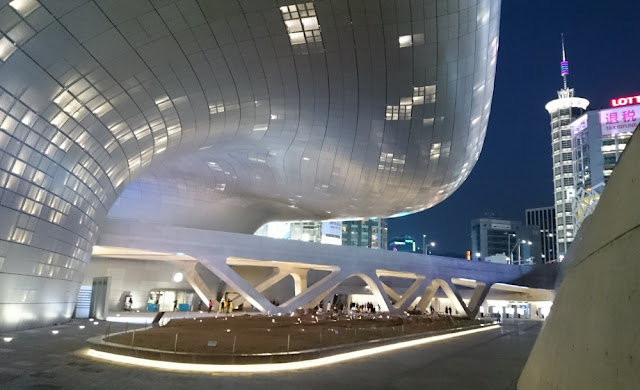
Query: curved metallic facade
pixel 224 115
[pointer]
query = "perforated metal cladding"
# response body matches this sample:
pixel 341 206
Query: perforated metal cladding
pixel 219 119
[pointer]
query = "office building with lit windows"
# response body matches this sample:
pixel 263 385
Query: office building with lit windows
pixel 370 233
pixel 563 110
pixel 598 138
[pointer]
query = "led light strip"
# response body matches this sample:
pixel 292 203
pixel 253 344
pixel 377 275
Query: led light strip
pixel 275 367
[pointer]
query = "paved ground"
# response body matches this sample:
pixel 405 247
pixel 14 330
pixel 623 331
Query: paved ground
pixel 37 359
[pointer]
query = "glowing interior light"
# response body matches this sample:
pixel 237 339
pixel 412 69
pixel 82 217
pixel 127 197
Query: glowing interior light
pixel 178 277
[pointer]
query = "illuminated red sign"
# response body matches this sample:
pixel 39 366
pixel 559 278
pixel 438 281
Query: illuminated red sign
pixel 625 101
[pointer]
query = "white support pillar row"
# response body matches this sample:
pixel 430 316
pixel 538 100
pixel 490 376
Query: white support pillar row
pixel 219 266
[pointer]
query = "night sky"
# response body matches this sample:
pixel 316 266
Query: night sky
pixel 514 171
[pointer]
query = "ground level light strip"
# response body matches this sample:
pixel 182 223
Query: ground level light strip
pixel 275 367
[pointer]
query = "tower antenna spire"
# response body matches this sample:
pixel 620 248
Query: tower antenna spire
pixel 564 65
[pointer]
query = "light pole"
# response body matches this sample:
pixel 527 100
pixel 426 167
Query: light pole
pixel 432 244
pixel 424 248
pixel 478 254
pixel 523 242
pixel 509 245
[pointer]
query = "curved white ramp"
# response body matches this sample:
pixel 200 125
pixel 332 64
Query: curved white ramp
pixel 592 338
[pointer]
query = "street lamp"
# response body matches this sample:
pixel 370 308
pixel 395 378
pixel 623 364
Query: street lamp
pixel 478 254
pixel 432 244
pixel 509 235
pixel 424 249
pixel 522 242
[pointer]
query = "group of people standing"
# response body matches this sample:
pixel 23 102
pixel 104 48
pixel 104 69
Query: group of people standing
pixel 448 310
pixel 224 306
pixel 368 307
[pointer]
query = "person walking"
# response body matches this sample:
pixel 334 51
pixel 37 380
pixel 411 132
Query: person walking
pixel 175 305
pixel 210 305
pixel 200 305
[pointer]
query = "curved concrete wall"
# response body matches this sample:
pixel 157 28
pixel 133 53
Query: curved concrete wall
pixel 591 339
pixel 224 115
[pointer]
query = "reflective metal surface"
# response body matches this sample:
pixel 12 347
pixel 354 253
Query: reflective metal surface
pixel 224 115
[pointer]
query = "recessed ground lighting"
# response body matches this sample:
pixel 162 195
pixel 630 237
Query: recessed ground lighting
pixel 7 339
pixel 90 319
pixel 81 326
pixel 54 331
pixel 95 322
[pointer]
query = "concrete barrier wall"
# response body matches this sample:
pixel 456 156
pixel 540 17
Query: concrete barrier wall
pixel 592 338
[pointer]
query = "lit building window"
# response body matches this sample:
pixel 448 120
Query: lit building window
pixel 411 40
pixel 216 108
pixel 426 94
pixel 302 23
pixel 401 112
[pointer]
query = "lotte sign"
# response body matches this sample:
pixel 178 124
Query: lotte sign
pixel 625 101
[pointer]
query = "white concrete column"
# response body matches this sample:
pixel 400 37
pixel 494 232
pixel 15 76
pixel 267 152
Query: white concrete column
pixel 299 280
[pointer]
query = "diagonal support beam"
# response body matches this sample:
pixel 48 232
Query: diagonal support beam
pixel 428 294
pixel 412 292
pixel 395 297
pixel 478 297
pixel 192 276
pixel 315 293
pixel 377 287
pixel 275 277
pixel 220 267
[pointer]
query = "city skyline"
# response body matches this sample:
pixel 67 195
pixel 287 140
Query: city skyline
pixel 514 171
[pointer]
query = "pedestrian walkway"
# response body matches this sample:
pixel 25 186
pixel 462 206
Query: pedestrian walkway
pixel 489 360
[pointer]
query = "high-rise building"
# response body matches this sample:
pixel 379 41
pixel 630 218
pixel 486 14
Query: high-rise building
pixel 490 237
pixel 370 233
pixel 544 218
pixel 503 239
pixel 598 139
pixel 563 111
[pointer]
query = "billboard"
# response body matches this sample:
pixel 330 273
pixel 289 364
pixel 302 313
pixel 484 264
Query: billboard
pixel 619 120
pixel 579 124
pixel 332 232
